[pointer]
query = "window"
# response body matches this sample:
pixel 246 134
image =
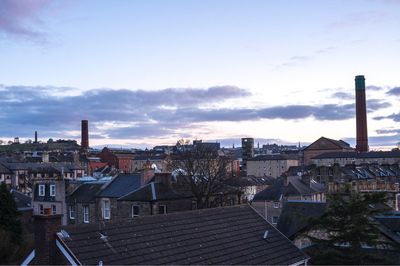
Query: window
pixel 54 209
pixel 72 212
pixel 276 205
pixel 106 209
pixel 53 190
pixel 42 190
pixel 41 209
pixel 135 210
pixel 275 219
pixel 86 214
pixel 162 209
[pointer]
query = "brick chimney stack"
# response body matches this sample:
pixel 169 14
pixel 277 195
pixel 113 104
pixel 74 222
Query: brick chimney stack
pixel 45 228
pixel 85 135
pixel 361 115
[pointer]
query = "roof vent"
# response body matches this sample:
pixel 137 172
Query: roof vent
pixel 103 237
pixel 265 234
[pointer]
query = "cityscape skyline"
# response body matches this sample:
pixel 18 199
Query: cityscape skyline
pixel 152 72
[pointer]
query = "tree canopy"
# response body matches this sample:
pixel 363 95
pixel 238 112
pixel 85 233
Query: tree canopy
pixel 348 227
pixel 202 172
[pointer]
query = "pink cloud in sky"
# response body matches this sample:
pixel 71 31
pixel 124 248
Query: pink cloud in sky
pixel 22 17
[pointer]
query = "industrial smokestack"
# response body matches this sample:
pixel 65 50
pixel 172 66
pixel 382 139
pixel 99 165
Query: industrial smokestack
pixel 85 134
pixel 35 136
pixel 361 115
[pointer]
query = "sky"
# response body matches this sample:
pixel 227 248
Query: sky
pixel 151 72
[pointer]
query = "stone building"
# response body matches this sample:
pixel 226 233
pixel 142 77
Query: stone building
pixel 324 145
pixel 270 165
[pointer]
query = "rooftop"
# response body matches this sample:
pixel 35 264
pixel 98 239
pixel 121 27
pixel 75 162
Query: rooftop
pixel 229 235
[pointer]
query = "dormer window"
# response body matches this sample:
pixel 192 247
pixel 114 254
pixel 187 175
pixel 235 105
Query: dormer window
pixel 42 189
pixel 53 190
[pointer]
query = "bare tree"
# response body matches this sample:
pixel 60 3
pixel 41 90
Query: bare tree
pixel 202 172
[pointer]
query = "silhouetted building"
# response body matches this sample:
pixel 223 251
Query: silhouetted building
pixel 247 150
pixel 361 115
pixel 85 134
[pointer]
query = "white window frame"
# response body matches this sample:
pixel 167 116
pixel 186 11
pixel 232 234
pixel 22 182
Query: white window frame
pixel 106 209
pixel 86 214
pixel 275 222
pixel 42 190
pixel 276 205
pixel 72 212
pixel 41 209
pixel 138 210
pixel 54 209
pixel 52 190
pixel 165 209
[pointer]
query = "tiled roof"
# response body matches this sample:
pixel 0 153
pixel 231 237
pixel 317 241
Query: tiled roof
pixel 85 193
pixel 219 236
pixel 121 185
pixel 296 214
pixel 359 155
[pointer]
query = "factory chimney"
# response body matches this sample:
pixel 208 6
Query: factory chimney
pixel 36 137
pixel 85 134
pixel 361 115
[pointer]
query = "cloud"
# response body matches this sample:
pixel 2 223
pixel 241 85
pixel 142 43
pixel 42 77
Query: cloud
pixel 377 141
pixel 394 91
pixel 387 131
pixel 139 114
pixel 394 117
pixel 343 95
pixel 374 88
pixel 358 19
pixel 22 17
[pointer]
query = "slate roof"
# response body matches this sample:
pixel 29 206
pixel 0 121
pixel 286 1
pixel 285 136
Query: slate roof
pixel 278 189
pixel 4 169
pixel 85 193
pixel 22 201
pixel 338 143
pixel 391 222
pixel 269 158
pixel 152 192
pixel 359 155
pixel 272 192
pixel 219 236
pixel 296 214
pixel 58 167
pixel 251 180
pixel 121 185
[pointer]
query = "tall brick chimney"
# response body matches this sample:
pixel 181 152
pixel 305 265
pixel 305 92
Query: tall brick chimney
pixel 45 228
pixel 361 115
pixel 85 134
